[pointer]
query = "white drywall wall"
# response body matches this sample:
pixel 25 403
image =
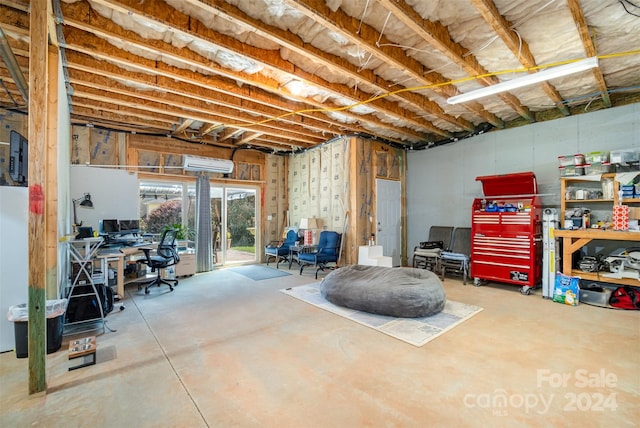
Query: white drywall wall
pixel 441 182
pixel 114 193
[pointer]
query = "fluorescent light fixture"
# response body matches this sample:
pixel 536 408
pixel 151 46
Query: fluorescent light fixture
pixel 529 79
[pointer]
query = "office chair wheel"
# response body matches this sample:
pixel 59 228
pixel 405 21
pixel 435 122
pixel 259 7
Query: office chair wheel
pixel 146 291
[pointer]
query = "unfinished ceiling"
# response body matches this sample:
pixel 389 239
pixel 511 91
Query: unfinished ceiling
pixel 286 75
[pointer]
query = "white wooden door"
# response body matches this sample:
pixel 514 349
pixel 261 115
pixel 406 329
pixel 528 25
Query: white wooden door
pixel 388 194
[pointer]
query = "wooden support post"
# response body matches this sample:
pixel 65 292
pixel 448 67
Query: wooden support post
pixel 51 188
pixel 38 57
pixel 404 251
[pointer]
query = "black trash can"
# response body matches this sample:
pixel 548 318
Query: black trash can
pixel 55 326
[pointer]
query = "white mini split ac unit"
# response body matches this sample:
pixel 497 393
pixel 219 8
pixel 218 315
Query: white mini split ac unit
pixel 199 163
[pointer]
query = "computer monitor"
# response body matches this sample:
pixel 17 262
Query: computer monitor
pixel 129 226
pixel 110 226
pixel 84 232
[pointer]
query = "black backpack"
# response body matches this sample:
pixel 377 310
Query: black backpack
pixel 85 307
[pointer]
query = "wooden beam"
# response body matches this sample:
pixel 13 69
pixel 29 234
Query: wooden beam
pixel 362 77
pixel 178 22
pixel 589 46
pixel 38 104
pixel 385 51
pixel 519 48
pixel 438 36
pixel 51 171
pixel 181 107
pixel 184 125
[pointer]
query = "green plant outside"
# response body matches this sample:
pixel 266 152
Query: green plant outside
pixel 251 250
pixel 183 231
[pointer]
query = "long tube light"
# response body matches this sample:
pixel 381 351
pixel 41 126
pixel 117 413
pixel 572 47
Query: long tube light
pixel 529 79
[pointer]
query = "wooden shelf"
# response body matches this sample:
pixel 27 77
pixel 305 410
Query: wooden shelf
pixel 582 201
pixel 598 276
pixel 573 240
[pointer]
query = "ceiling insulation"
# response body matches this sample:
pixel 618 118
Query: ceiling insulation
pixel 297 73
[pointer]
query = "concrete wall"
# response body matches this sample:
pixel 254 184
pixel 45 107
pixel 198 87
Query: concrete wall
pixel 441 181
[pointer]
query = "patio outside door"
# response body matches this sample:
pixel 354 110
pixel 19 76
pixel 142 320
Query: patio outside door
pixel 233 215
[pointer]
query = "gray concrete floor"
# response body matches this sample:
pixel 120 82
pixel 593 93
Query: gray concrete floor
pixel 223 350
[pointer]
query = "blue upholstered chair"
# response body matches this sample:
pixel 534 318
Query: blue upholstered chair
pixel 328 252
pixel 280 249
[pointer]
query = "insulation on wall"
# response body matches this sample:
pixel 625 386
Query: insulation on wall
pixel 103 146
pixel 93 146
pixel 320 183
pixel 149 161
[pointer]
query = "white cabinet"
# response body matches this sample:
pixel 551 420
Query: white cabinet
pixel 371 255
pixel 187 265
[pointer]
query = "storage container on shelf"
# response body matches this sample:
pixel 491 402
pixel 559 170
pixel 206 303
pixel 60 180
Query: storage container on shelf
pixel 625 155
pixel 571 170
pixel 593 157
pixel 570 160
pixel 627 191
pixel 597 168
pixel 628 167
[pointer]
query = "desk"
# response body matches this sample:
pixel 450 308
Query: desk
pixel 119 258
pixel 573 240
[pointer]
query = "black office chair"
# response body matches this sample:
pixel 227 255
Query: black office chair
pixel 166 255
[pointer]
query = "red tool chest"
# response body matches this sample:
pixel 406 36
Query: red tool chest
pixel 506 231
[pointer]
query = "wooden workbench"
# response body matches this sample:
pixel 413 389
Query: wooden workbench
pixel 573 240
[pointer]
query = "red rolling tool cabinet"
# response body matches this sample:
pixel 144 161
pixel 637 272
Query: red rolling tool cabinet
pixel 506 231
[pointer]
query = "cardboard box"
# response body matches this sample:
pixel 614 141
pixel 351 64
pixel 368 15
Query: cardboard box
pixel 621 217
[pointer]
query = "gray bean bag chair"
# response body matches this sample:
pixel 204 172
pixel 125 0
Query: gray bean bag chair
pixel 397 292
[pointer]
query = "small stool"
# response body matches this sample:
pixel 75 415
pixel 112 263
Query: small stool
pixel 82 348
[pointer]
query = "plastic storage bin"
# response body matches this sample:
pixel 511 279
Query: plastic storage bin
pixel 625 156
pixel 594 157
pixel 571 170
pixel 570 160
pixel 19 315
pixel 597 168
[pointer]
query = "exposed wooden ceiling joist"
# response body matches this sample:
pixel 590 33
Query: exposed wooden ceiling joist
pixel 383 68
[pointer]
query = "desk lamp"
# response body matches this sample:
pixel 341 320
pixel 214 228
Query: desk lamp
pixel 84 201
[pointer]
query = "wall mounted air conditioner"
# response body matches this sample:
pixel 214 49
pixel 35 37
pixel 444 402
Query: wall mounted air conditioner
pixel 199 163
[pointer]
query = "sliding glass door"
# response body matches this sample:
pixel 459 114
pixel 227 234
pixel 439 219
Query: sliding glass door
pixel 234 211
pixel 234 214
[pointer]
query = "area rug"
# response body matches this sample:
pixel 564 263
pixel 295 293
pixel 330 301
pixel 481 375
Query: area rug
pixel 257 272
pixel 416 331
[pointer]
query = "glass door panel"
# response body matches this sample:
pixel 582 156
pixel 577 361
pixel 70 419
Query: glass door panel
pixel 240 225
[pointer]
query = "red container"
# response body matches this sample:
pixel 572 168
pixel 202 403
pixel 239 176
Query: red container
pixel 506 236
